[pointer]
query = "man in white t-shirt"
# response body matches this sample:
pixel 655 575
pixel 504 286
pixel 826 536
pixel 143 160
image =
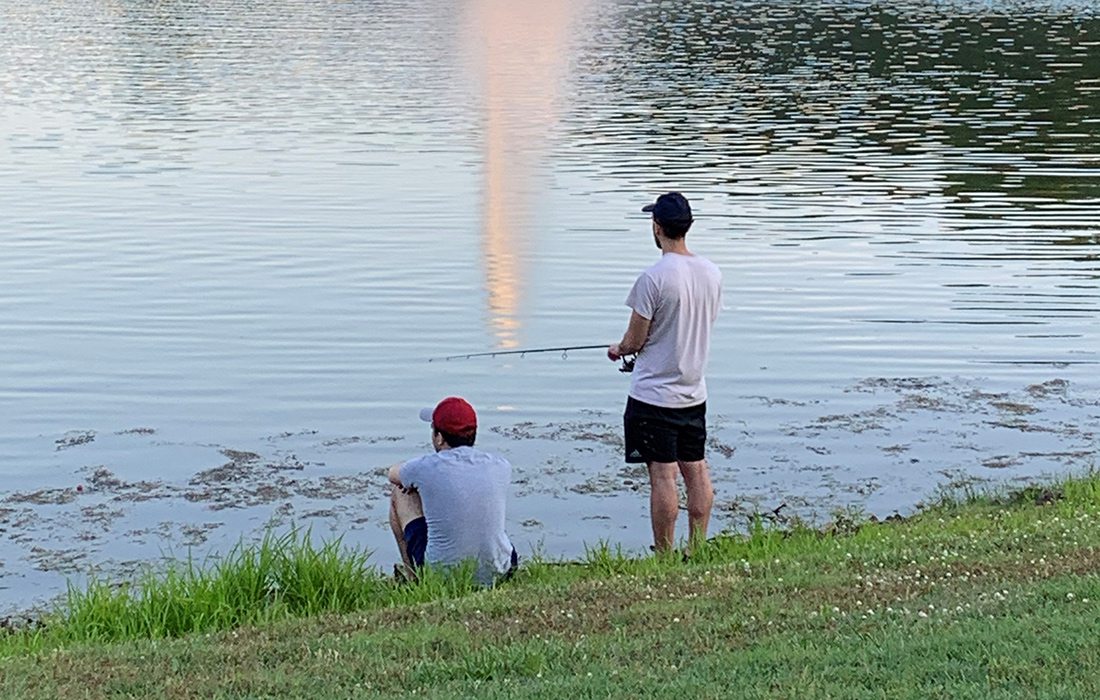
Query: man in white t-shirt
pixel 448 507
pixel 674 304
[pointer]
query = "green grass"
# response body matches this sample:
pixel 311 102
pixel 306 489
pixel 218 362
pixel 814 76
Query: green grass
pixel 984 596
pixel 282 577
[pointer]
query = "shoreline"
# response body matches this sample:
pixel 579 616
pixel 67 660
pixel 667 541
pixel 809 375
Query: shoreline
pixel 776 605
pixel 883 446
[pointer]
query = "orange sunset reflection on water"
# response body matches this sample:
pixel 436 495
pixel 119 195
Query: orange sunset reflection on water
pixel 519 53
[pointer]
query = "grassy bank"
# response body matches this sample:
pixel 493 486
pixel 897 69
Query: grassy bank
pixel 983 598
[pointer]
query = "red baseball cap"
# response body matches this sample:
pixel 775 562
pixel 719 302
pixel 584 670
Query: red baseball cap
pixel 452 415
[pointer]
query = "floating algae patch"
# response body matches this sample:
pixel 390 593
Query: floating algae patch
pixel 66 561
pixel 568 431
pixel 580 433
pixel 1000 461
pixel 100 514
pixel 330 487
pixel 925 402
pixel 900 384
pixel 42 497
pixel 716 445
pixel 221 497
pixel 241 466
pixel 1021 409
pixel 356 440
pixel 74 438
pixel 1054 387
pixel 601 484
pixel 194 535
pixel 103 480
pixel 856 422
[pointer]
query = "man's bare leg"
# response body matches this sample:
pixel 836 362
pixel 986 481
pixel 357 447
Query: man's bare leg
pixel 700 499
pixel 664 504
pixel 405 506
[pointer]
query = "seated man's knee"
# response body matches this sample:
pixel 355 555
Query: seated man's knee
pixel 406 505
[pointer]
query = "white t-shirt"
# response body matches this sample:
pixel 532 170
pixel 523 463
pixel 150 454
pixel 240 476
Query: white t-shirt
pixel 463 491
pixel 680 295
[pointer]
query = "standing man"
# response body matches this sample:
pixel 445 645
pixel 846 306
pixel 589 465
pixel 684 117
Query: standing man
pixel 447 507
pixel 674 303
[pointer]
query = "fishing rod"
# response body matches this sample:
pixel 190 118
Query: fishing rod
pixel 628 364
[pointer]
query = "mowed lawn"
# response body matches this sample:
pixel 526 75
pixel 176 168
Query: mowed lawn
pixel 989 598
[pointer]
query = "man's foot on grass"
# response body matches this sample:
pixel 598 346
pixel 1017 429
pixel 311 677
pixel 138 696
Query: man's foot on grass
pixel 402 576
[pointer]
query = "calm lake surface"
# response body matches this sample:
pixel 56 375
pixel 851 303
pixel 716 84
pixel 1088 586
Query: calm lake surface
pixel 233 233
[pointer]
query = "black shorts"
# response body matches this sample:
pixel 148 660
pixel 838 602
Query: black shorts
pixel 659 434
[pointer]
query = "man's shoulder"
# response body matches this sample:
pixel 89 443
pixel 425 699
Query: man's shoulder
pixel 472 455
pixel 493 457
pixel 710 267
pixel 680 266
pixel 424 460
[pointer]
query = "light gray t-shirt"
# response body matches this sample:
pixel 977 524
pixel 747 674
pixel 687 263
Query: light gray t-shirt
pixel 680 295
pixel 463 491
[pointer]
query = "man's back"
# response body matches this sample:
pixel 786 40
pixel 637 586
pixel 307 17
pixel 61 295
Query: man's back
pixel 464 491
pixel 681 296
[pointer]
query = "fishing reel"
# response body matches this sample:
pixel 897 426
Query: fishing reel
pixel 628 363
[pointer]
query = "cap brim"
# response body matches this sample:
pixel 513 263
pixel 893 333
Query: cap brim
pixel 426 414
pixel 649 208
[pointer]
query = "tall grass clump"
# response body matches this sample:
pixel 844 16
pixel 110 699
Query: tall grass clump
pixel 281 576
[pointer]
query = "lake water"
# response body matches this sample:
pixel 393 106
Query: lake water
pixel 233 234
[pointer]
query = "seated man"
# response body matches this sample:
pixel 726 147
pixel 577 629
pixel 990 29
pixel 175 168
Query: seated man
pixel 448 507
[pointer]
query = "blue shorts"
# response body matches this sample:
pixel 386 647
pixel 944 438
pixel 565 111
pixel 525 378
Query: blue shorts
pixel 416 543
pixel 416 540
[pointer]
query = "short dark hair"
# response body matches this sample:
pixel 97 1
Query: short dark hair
pixel 458 440
pixel 674 229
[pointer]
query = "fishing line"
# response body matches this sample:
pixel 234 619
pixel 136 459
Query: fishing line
pixel 628 364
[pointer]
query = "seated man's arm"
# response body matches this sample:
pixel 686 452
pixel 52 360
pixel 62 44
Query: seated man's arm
pixel 394 474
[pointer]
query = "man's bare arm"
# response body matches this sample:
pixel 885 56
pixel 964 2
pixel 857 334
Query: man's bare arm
pixel 394 474
pixel 637 332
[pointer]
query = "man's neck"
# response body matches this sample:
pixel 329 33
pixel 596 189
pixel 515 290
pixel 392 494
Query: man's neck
pixel 674 245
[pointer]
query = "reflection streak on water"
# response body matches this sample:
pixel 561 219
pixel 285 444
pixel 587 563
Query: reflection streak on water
pixel 521 51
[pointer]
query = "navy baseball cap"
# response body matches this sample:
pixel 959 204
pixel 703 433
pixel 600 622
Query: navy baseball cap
pixel 672 207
